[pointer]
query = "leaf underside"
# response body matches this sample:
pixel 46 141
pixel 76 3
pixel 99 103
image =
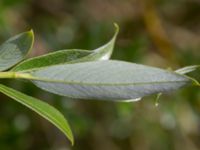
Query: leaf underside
pixel 79 74
pixel 15 49
pixel 106 80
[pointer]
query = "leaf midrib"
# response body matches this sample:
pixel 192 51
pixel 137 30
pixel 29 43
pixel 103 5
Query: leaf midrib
pixel 104 84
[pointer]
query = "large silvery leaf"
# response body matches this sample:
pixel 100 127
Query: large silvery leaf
pixel 15 49
pixel 69 56
pixel 40 107
pixel 107 80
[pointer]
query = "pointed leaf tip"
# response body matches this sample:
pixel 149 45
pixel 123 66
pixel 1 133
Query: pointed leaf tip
pixel 31 31
pixel 69 56
pixel 32 36
pixel 116 27
pixel 187 69
pixel 43 109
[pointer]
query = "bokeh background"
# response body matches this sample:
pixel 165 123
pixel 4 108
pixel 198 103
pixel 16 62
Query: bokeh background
pixel 162 33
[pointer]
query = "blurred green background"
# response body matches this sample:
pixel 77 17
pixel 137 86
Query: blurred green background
pixel 162 33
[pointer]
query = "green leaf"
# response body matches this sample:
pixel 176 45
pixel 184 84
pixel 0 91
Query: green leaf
pixel 187 69
pixel 59 57
pixel 69 56
pixel 107 80
pixel 104 52
pixel 40 107
pixel 15 49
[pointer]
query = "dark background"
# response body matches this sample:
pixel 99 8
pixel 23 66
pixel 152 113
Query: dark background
pixel 162 33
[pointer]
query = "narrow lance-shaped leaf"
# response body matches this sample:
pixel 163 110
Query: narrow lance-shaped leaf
pixel 59 57
pixel 69 56
pixel 187 69
pixel 40 107
pixel 15 49
pixel 104 52
pixel 107 80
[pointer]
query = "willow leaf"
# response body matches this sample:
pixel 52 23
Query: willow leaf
pixel 69 56
pixel 107 80
pixel 15 49
pixel 54 58
pixel 40 107
pixel 187 69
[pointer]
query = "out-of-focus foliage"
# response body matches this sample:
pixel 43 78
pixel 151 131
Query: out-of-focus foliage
pixel 162 33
